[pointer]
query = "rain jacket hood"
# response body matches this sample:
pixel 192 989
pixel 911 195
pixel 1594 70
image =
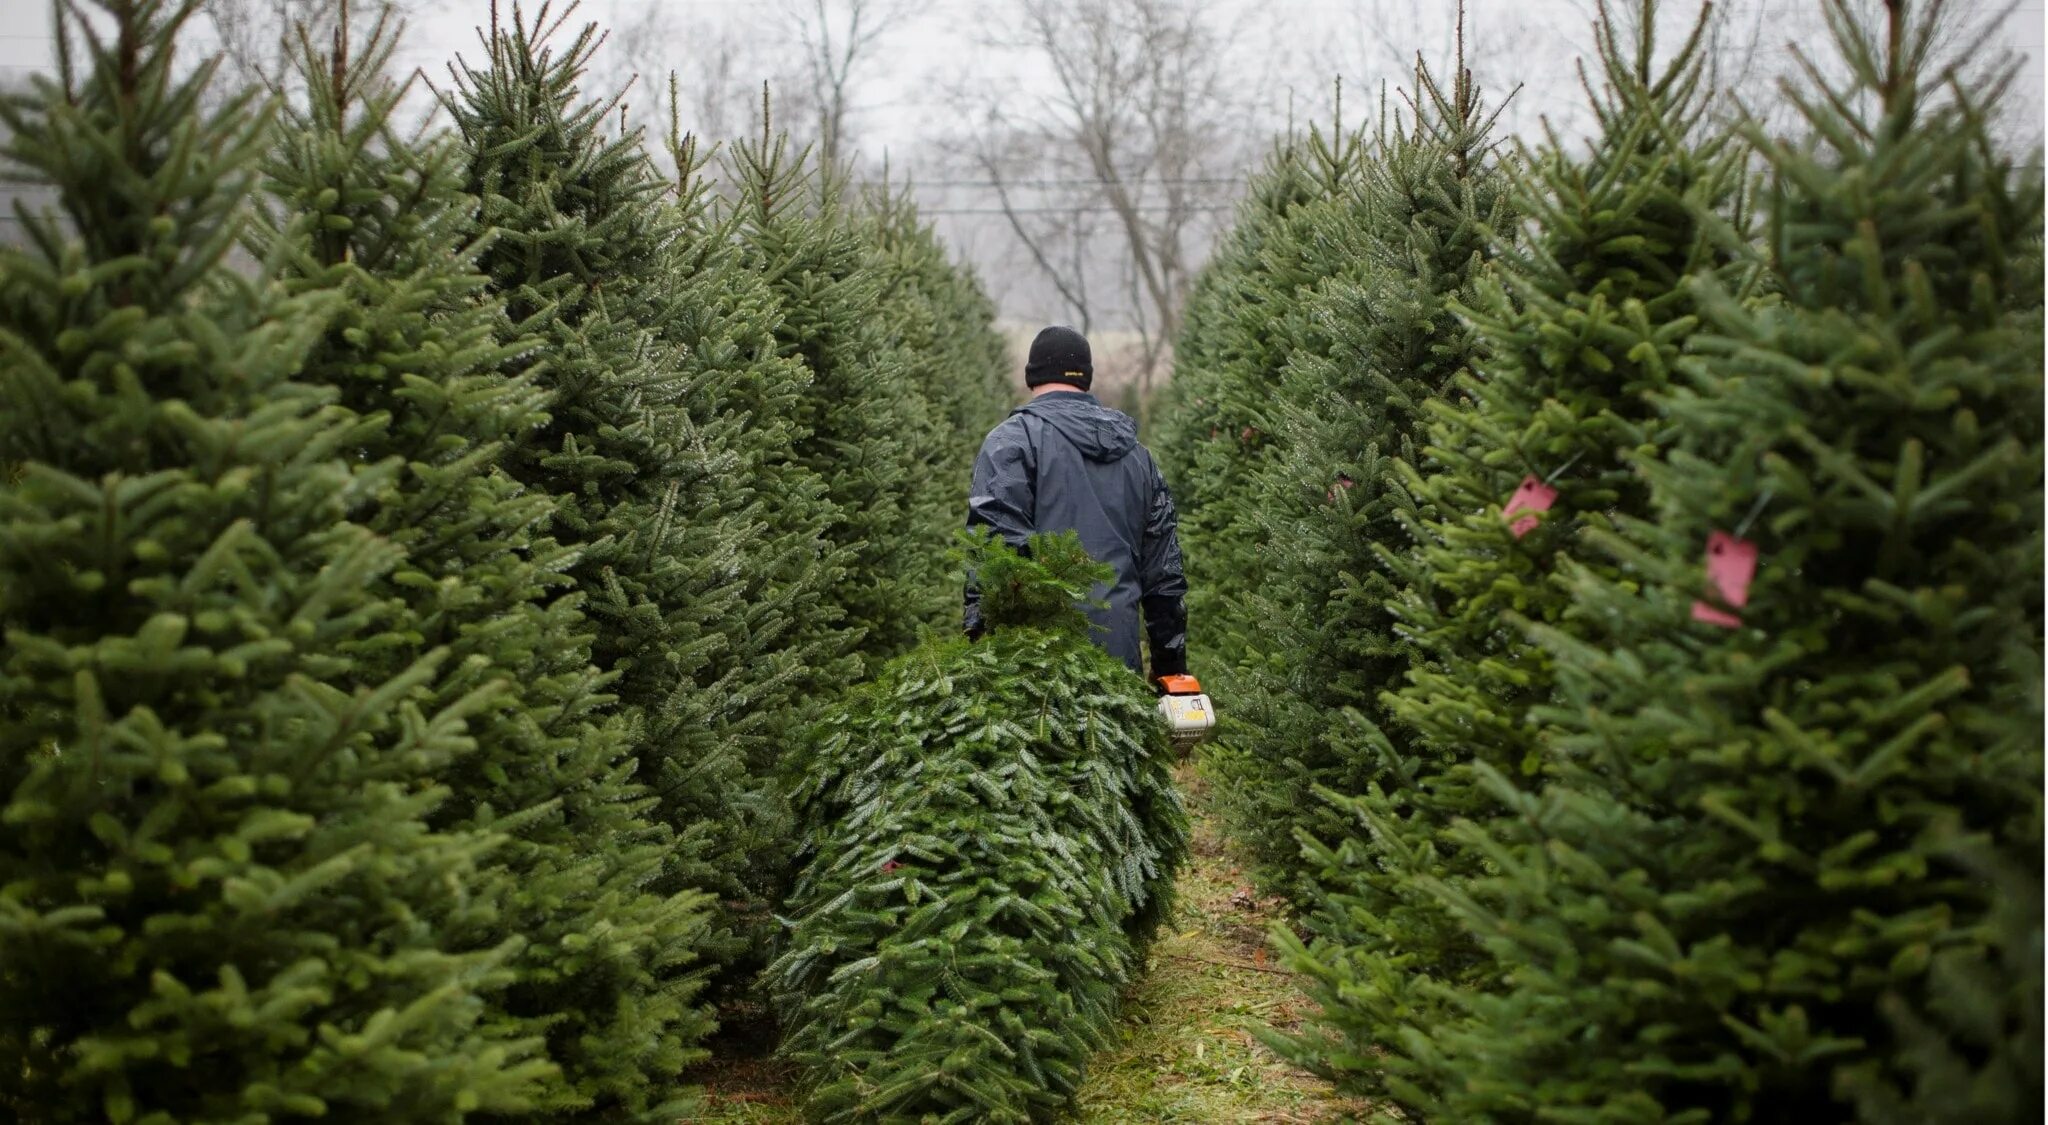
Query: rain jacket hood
pixel 1100 434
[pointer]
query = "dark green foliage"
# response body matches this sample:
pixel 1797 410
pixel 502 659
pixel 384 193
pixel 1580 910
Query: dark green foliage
pixel 221 895
pixel 1244 320
pixel 943 327
pixel 754 690
pixel 1045 590
pixel 1331 500
pixel 991 832
pixel 1576 327
pixel 1790 870
pixel 384 225
pixel 639 449
pixel 863 424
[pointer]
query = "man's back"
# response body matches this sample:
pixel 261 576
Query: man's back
pixel 1064 461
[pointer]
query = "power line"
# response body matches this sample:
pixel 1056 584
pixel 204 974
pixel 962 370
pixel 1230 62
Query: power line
pixel 927 211
pixel 1224 180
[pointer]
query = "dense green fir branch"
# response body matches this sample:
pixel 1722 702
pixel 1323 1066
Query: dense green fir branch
pixel 606 975
pixel 1768 861
pixel 1577 325
pixel 226 893
pixel 1380 339
pixel 864 424
pixel 1244 321
pixel 437 573
pixel 991 834
pixel 724 318
pixel 647 449
pixel 941 328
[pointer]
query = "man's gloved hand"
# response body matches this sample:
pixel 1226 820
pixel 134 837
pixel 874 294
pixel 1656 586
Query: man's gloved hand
pixel 1169 662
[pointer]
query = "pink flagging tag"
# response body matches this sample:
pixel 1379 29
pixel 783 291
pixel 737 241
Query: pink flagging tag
pixel 1344 481
pixel 1701 611
pixel 1531 496
pixel 1731 564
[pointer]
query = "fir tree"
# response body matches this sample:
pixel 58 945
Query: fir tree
pixel 942 328
pixel 944 321
pixel 1576 326
pixel 862 425
pixel 1787 863
pixel 384 224
pixel 221 899
pixel 1412 235
pixel 636 448
pixel 1243 322
pixel 723 318
pixel 991 832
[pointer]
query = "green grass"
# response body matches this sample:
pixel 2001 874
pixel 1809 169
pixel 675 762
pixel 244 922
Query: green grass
pixel 1186 1051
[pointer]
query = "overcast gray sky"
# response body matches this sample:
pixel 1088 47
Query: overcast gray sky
pixel 1282 54
pixel 1533 42
pixel 1293 45
pixel 1285 54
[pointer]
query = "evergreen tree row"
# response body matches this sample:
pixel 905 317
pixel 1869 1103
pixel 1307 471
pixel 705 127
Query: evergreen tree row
pixel 1654 729
pixel 419 552
pixel 1244 320
pixel 1370 336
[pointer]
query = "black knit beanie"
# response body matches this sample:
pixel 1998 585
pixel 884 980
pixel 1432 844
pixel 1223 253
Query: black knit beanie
pixel 1059 355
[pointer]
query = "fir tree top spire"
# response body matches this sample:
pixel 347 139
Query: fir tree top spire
pixel 1043 586
pixel 1455 120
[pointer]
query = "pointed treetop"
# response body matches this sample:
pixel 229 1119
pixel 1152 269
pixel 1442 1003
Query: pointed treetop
pixel 1043 587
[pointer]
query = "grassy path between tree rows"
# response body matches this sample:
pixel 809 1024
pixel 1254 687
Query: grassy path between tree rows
pixel 1186 1052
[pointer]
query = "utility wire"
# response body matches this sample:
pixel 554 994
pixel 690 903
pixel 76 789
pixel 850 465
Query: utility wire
pixel 1065 210
pixel 917 183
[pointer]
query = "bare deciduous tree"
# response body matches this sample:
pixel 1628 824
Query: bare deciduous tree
pixel 841 40
pixel 254 36
pixel 1138 127
pixel 713 65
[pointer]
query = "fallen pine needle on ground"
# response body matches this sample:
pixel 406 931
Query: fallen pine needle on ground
pixel 1186 1051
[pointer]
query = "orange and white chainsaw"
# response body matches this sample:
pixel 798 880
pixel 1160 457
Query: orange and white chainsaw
pixel 1188 713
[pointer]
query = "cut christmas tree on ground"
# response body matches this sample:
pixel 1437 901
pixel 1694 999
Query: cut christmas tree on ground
pixel 1185 1047
pixel 990 836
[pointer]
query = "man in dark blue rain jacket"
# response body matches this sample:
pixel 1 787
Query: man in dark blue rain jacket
pixel 1064 461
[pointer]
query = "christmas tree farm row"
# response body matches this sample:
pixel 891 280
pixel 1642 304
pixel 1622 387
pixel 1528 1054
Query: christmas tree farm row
pixel 419 552
pixel 1644 539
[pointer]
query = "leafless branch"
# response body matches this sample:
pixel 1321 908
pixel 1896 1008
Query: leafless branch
pixel 1135 119
pixel 254 37
pixel 841 39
